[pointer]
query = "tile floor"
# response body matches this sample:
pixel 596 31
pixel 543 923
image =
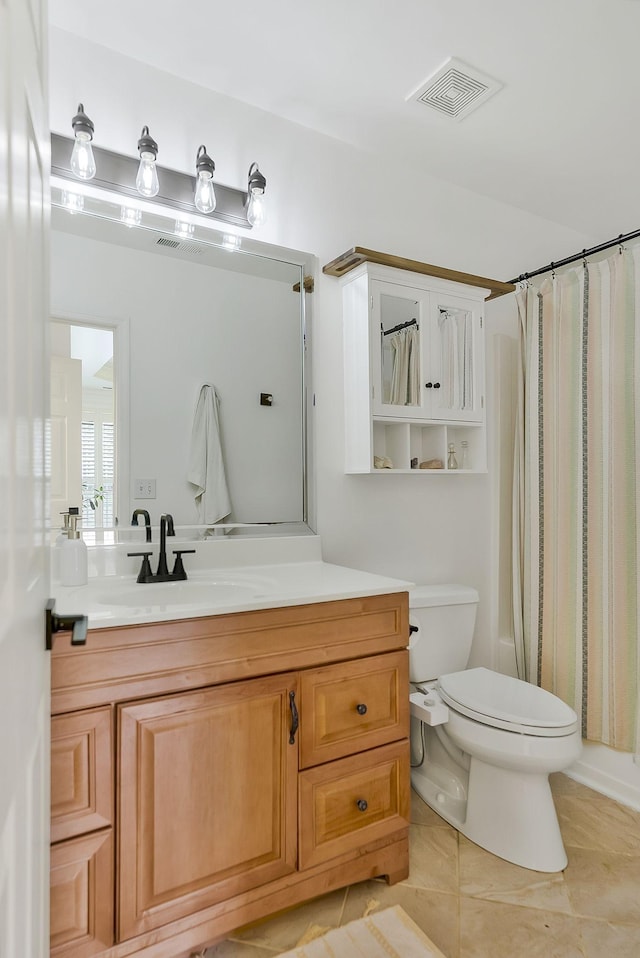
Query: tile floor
pixel 474 905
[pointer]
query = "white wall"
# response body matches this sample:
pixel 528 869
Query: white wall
pixel 187 326
pixel 326 197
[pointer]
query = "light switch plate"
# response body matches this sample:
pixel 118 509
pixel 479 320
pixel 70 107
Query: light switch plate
pixel 144 488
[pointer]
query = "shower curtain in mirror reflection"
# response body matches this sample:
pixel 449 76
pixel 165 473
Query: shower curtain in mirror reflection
pixel 405 376
pixel 577 515
pixel 206 463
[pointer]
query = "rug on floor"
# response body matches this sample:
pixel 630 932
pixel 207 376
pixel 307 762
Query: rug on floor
pixel 383 934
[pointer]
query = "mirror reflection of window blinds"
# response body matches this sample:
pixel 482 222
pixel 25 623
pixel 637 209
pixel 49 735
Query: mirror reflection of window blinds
pixel 97 470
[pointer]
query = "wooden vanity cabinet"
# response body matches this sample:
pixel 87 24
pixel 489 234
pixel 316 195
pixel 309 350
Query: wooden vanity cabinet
pixel 261 759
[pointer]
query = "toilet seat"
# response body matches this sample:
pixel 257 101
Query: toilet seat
pixel 504 702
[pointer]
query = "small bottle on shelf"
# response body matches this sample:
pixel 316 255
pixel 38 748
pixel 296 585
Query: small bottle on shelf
pixel 465 460
pixel 452 462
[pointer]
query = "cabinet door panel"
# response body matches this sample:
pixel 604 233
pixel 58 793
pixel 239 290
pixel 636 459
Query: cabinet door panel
pixel 399 321
pixel 353 706
pixel 345 804
pixel 207 798
pixel 81 773
pixel 457 358
pixel 82 896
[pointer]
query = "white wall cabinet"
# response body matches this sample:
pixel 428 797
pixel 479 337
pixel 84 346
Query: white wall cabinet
pixel 414 372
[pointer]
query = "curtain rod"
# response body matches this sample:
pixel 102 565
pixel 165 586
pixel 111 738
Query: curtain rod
pixel 387 332
pixel 622 238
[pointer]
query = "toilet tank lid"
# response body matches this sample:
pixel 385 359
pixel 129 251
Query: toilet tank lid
pixel 423 596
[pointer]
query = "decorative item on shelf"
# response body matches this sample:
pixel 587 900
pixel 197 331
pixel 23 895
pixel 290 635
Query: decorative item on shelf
pixel 452 462
pixel 414 462
pixel 432 464
pixel 147 182
pixel 257 184
pixel 83 164
pixel 382 462
pixel 465 462
pixel 205 196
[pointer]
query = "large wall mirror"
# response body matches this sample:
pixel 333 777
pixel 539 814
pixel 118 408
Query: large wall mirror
pixel 145 312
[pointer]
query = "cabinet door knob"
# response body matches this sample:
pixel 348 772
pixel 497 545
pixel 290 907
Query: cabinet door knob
pixel 436 385
pixel 362 804
pixel 428 385
pixel 361 709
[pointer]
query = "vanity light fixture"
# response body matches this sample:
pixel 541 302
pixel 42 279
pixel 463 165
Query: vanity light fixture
pixel 83 164
pixel 256 213
pixel 121 174
pixel 205 196
pixel 147 183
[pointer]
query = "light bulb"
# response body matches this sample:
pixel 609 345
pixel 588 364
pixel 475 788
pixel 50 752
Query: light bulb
pixel 130 216
pixel 257 213
pixel 74 202
pixel 147 183
pixel 205 195
pixel 205 198
pixel 83 164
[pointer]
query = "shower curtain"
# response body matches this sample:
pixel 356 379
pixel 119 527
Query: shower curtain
pixel 576 516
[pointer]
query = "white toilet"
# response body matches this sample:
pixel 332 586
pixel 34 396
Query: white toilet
pixel 483 744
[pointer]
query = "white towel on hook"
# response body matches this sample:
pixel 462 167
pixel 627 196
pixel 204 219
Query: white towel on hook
pixel 206 465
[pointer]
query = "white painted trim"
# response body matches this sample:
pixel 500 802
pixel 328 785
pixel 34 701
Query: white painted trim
pixel 609 772
pixel 120 327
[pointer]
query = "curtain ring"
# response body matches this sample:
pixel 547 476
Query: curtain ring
pixel 584 258
pixel 620 246
pixel 553 270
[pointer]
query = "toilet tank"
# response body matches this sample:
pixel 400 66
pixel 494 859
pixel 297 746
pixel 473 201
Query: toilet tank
pixel 444 616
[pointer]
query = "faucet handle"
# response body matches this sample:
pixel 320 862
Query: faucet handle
pixel 178 568
pixel 145 574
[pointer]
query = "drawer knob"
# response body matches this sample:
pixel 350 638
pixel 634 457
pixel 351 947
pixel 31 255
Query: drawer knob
pixel 361 709
pixel 362 804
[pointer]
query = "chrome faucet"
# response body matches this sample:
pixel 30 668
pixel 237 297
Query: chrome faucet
pixel 163 574
pixel 147 521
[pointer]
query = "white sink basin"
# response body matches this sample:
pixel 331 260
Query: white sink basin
pixel 209 592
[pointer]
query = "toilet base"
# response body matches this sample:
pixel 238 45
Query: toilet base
pixel 510 814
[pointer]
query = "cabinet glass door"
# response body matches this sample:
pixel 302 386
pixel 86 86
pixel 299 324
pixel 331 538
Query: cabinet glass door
pixel 397 330
pixel 456 359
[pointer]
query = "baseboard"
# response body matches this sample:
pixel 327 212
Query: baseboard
pixel 609 772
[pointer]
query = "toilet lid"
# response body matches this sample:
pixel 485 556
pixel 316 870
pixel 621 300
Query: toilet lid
pixel 505 702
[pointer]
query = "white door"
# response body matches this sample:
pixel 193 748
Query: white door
pixel 24 571
pixel 66 436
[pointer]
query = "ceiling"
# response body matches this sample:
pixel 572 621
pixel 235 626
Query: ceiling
pixel 561 139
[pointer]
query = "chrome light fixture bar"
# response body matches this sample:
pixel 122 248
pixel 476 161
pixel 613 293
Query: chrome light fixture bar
pixel 117 174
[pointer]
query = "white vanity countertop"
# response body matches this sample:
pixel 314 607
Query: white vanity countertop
pixel 118 600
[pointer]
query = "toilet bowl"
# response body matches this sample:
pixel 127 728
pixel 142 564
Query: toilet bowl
pixel 483 744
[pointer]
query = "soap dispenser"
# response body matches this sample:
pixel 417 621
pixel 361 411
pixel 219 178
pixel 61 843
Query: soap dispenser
pixel 73 554
pixel 60 540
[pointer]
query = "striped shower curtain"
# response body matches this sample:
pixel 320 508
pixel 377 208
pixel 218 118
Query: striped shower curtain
pixel 577 515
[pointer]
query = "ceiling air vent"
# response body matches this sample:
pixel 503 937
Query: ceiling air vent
pixel 181 245
pixel 455 89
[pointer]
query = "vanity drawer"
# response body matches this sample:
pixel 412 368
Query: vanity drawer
pixel 82 896
pixel 356 800
pixel 353 706
pixel 81 773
